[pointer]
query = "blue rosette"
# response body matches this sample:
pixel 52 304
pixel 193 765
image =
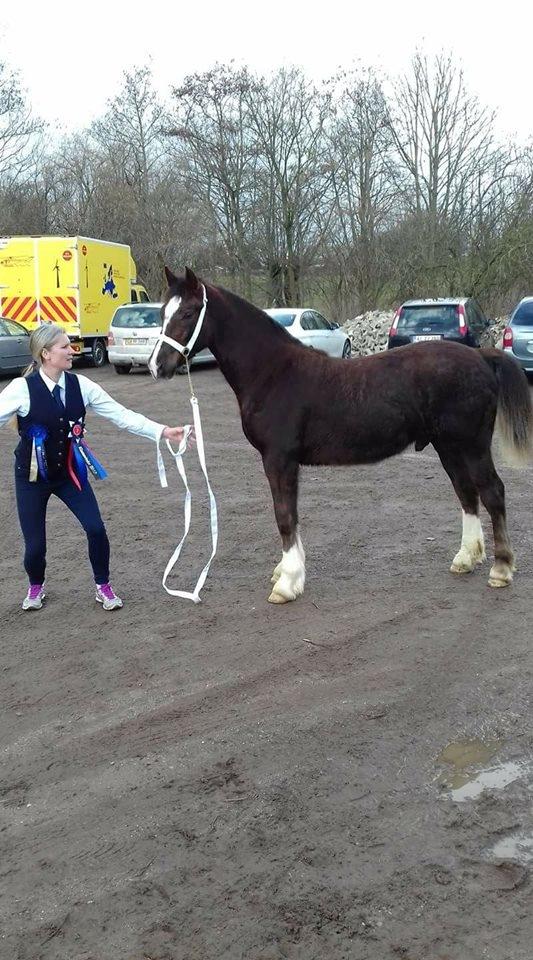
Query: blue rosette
pixel 38 465
pixel 81 459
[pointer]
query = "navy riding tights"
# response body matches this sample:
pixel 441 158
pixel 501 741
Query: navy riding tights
pixel 32 500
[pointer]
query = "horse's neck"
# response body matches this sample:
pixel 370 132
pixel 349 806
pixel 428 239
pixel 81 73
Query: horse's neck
pixel 244 348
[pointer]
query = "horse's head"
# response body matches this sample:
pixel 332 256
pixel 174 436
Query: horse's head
pixel 180 314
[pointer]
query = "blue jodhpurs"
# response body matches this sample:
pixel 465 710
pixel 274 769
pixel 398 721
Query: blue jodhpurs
pixel 32 500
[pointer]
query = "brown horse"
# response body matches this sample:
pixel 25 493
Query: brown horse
pixel 299 406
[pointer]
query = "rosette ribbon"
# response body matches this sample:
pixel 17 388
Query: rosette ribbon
pixel 81 459
pixel 38 465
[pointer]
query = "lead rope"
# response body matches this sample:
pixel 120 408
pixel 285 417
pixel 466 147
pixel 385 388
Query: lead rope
pixel 178 459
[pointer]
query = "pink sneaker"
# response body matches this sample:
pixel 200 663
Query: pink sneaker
pixel 35 597
pixel 107 597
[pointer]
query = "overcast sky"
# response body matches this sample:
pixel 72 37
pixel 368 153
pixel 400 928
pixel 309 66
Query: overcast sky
pixel 71 56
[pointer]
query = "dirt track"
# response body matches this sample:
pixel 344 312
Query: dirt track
pixel 241 780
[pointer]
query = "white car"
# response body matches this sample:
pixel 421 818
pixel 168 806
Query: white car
pixel 133 335
pixel 310 327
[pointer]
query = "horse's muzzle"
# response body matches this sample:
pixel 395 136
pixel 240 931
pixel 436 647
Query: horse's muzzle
pixel 164 361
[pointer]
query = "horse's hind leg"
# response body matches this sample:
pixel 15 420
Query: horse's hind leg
pixel 472 549
pixel 289 575
pixel 492 493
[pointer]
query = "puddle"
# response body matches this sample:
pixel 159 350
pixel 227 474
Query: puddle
pixel 466 780
pixel 462 756
pixel 494 778
pixel 518 847
pixel 470 772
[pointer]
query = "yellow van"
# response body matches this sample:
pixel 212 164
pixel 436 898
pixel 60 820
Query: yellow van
pixel 76 282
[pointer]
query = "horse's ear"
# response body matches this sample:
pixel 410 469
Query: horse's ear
pixel 171 279
pixel 191 280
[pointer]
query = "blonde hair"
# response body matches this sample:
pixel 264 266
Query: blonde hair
pixel 41 339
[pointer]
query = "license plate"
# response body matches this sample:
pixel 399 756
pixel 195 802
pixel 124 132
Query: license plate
pixel 433 336
pixel 137 341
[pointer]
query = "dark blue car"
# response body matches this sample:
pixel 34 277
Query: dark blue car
pixel 460 319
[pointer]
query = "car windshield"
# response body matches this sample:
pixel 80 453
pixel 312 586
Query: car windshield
pixel 428 318
pixel 284 319
pixel 127 317
pixel 524 315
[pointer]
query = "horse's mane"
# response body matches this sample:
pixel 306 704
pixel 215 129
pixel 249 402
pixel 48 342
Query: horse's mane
pixel 256 315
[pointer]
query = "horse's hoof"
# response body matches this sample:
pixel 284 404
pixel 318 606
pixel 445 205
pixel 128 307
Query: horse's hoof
pixel 277 598
pixel 460 568
pixel 467 559
pixel 501 576
pixel 500 581
pixel 496 582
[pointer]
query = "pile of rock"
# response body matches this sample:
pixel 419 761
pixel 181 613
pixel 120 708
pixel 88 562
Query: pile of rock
pixel 496 330
pixel 368 332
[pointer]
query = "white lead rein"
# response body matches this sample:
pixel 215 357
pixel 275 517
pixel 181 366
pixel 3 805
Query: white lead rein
pixel 178 459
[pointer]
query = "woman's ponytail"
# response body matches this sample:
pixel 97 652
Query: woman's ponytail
pixel 31 369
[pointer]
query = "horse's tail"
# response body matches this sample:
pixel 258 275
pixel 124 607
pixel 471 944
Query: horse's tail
pixel 514 419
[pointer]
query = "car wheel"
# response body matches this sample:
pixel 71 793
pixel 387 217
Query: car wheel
pixel 347 350
pixel 122 368
pixel 98 353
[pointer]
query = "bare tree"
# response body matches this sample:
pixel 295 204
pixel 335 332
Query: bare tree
pixel 364 194
pixel 130 132
pixel 499 250
pixel 288 117
pixel 139 195
pixel 443 138
pixel 18 127
pixel 209 124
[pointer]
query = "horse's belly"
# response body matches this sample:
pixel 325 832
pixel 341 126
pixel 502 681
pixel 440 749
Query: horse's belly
pixel 371 450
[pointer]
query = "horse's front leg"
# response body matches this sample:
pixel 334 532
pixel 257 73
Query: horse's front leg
pixel 289 575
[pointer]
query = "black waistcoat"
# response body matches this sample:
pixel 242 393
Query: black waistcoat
pixel 45 412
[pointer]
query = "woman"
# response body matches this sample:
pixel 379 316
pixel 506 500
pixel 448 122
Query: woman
pixel 52 457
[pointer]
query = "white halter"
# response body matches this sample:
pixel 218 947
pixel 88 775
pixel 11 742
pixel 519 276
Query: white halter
pixel 170 309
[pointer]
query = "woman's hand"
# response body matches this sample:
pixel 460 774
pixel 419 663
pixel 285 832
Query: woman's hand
pixel 175 434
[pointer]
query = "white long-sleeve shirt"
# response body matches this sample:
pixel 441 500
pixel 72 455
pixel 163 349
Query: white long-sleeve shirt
pixel 15 399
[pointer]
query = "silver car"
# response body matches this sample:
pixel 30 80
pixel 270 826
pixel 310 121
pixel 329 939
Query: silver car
pixel 133 335
pixel 15 352
pixel 518 334
pixel 310 327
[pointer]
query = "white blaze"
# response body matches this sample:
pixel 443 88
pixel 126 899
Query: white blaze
pixel 171 308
